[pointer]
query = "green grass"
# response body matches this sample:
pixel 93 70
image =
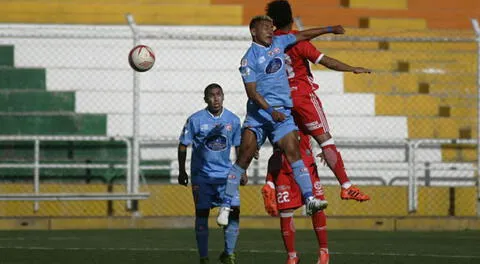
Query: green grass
pixel 254 246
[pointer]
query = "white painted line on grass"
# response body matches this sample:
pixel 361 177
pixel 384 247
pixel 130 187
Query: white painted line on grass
pixel 245 251
pixel 37 238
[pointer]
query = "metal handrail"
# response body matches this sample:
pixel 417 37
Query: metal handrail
pixel 37 165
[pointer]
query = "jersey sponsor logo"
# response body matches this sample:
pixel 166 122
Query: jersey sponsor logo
pixel 313 125
pixel 216 142
pixel 282 188
pixel 204 127
pixel 274 65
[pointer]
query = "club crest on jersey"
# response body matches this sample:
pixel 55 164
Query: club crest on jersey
pixel 273 52
pixel 274 65
pixel 261 60
pixel 228 127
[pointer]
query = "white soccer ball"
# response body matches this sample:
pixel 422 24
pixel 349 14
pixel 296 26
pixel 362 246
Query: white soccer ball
pixel 141 58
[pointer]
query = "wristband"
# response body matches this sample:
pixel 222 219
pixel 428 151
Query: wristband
pixel 329 29
pixel 269 110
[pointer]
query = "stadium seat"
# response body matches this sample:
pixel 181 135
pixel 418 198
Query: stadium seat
pixel 109 12
pixel 375 4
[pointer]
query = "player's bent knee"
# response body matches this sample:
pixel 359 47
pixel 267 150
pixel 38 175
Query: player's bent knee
pixel 234 213
pixel 202 212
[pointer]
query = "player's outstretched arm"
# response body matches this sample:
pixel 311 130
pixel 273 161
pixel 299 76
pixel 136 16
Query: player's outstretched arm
pixel 315 32
pixel 182 157
pixel 337 65
pixel 252 94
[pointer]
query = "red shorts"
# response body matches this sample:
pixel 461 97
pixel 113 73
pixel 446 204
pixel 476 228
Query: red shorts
pixel 308 114
pixel 289 195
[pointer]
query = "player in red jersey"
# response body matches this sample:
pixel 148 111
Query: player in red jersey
pixel 307 107
pixel 282 196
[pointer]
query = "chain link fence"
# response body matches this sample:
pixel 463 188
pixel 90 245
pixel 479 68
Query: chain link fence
pixel 75 80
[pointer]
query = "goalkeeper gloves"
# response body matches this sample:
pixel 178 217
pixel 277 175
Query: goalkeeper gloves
pixel 269 198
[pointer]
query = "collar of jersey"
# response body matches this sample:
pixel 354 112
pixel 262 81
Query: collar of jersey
pixel 261 46
pixel 215 117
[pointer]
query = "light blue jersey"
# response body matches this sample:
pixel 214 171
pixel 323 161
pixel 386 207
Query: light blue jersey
pixel 266 67
pixel 212 138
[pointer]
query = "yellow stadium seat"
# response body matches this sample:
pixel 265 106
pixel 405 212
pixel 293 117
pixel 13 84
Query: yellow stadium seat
pixel 375 4
pixel 107 13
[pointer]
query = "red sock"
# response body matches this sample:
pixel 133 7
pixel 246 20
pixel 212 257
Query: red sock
pixel 335 162
pixel 288 231
pixel 319 221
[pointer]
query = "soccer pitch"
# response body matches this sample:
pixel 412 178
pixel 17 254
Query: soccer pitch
pixel 254 246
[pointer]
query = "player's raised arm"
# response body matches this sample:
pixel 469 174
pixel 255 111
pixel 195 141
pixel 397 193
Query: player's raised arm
pixel 337 65
pixel 315 32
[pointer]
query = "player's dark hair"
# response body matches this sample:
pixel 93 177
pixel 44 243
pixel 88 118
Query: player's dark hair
pixel 257 19
pixel 211 87
pixel 281 13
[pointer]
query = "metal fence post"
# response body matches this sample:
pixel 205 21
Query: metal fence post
pixel 476 28
pixel 134 181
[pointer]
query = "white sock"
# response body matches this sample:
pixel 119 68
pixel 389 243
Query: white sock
pixel 346 185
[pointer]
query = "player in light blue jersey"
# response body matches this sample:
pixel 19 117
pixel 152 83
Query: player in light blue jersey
pixel 212 132
pixel 268 108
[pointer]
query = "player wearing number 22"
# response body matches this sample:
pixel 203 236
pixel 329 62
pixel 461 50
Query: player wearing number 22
pixel 282 196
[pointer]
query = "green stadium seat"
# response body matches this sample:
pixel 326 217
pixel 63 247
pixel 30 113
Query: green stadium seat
pixel 22 78
pixel 6 56
pixel 36 101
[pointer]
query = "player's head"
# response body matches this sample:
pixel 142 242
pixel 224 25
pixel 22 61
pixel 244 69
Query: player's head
pixel 261 28
pixel 213 96
pixel 281 13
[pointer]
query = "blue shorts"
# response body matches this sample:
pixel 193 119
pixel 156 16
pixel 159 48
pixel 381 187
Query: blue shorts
pixel 262 124
pixel 207 195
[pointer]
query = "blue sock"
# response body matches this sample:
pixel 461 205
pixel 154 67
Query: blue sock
pixel 230 233
pixel 302 177
pixel 201 233
pixel 233 181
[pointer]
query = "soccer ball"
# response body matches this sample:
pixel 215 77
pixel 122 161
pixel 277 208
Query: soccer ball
pixel 141 58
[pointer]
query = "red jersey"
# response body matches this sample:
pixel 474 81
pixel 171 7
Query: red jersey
pixel 297 64
pixel 278 161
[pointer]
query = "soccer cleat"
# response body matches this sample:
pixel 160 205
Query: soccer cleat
pixel 228 259
pixel 323 256
pixel 353 193
pixel 222 218
pixel 204 260
pixel 293 260
pixel 314 205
